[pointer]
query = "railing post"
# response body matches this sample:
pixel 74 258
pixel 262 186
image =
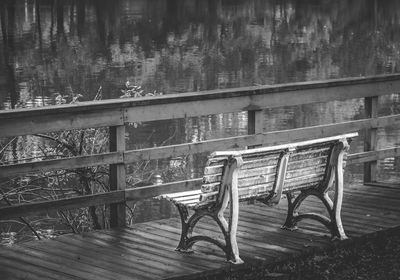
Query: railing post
pixel 370 142
pixel 117 176
pixel 255 119
pixel 255 122
pixel 254 126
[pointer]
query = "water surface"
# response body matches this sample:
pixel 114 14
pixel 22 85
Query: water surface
pixel 73 47
pixel 70 49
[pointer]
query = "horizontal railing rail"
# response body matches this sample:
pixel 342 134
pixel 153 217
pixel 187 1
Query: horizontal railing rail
pixel 171 151
pixel 115 114
pixel 121 111
pixel 121 196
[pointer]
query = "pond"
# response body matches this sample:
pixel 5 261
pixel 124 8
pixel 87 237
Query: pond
pixel 77 49
pixel 73 47
pixel 80 49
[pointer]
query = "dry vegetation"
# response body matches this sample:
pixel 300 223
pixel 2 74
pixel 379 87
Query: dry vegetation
pixel 372 257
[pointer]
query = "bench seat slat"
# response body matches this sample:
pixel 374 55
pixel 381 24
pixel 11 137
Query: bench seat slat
pixel 292 184
pixel 185 198
pixel 257 156
pixel 302 186
pixel 191 201
pixel 304 178
pixel 299 156
pixel 244 172
pixel 247 192
pixel 295 165
pixel 212 178
pixel 256 163
pixel 212 187
pixel 210 170
pixel 247 173
pixel 180 194
pixel 216 161
pixel 256 190
pixel 256 180
pixel 319 169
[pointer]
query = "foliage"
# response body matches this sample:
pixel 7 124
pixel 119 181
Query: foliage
pixel 60 184
pixel 136 91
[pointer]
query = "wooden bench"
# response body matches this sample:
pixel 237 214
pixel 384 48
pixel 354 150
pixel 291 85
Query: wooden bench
pixel 297 170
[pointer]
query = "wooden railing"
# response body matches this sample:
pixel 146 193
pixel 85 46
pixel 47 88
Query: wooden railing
pixel 115 114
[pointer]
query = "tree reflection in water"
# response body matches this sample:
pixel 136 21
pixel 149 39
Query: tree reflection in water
pixel 53 48
pixel 180 46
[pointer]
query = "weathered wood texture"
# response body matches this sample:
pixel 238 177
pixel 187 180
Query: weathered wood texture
pixel 267 138
pixel 306 166
pixel 33 121
pixel 118 111
pixel 60 164
pixel 148 191
pixel 371 138
pixel 255 121
pixel 117 175
pixel 147 250
pixel 39 208
pixel 118 196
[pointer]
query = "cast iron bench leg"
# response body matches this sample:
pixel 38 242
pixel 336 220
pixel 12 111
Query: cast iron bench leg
pixel 334 176
pixel 228 229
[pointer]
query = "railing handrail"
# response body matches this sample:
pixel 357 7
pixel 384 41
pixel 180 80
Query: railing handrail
pixel 117 112
pixel 189 96
pixel 89 106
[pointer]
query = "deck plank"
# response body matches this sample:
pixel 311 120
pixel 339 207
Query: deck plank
pixel 16 268
pixel 154 248
pixel 146 251
pixel 81 249
pixel 125 254
pixel 154 259
pixel 246 247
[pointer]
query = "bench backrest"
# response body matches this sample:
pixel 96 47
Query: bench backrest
pixel 293 167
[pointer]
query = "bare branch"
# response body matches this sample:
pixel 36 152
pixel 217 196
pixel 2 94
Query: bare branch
pixel 21 218
pixel 62 143
pixel 6 146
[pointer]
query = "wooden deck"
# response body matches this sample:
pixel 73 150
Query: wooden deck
pixel 147 250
